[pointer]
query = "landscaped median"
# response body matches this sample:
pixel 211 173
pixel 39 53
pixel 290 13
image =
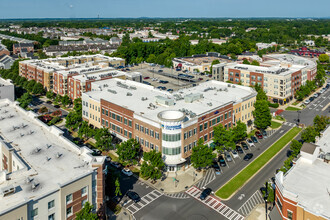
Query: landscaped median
pixel 242 177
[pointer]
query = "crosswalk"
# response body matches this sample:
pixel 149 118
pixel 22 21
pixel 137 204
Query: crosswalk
pixel 215 204
pixel 181 195
pixel 145 200
pixel 209 177
pixel 289 124
pixel 254 200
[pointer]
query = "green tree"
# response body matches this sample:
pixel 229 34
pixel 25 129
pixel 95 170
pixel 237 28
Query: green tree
pixel 309 134
pixel 324 58
pixel 239 131
pixel 65 100
pixel 128 151
pixel 58 98
pixel 126 40
pixel 245 61
pixel 85 130
pixel 50 94
pixel 38 88
pixel 151 58
pixel 30 85
pixel 295 147
pixel 201 156
pixel 320 122
pixel 261 93
pixel 261 113
pixel 103 139
pixel 255 63
pixel 223 138
pixel 86 213
pixel 25 100
pixel 73 120
pixel 152 165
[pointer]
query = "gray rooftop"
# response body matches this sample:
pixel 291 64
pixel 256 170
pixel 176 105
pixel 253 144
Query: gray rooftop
pixel 47 158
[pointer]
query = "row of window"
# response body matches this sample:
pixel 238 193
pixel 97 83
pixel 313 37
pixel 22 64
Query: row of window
pixel 190 133
pixel 171 151
pixel 189 146
pixel 147 131
pixel 117 117
pixel 147 144
pixel 214 121
pixel 171 137
pixel 116 128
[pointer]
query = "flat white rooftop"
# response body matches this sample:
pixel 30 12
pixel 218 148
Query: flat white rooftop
pixel 309 182
pixel 4 82
pixel 141 98
pixel 50 160
pixel 273 70
pixel 99 74
pixel 298 60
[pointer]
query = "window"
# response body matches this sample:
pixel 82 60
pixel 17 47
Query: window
pixel 69 211
pixel 130 123
pixel 106 112
pixel 125 121
pixel 225 116
pixel 157 135
pixel 125 133
pixel 171 137
pixel 129 134
pixel 171 151
pixel 195 131
pixel 201 127
pixel 147 131
pixel 205 125
pixel 152 133
pixel 83 203
pixel 142 128
pixel 290 214
pixel 51 204
pixel 51 217
pixel 34 212
pixel 68 198
pixel 279 204
pixel 84 191
pixel 136 126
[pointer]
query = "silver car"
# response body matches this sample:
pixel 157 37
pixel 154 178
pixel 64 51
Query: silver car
pixel 228 157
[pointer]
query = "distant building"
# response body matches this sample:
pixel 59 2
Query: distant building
pixel 43 175
pixel 3 50
pixel 310 43
pixel 306 52
pixel 7 89
pixel 6 61
pixel 23 48
pixel 115 41
pixel 261 46
pixel 304 192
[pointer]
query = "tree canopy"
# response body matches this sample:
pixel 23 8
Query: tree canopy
pixel 201 156
pixel 128 151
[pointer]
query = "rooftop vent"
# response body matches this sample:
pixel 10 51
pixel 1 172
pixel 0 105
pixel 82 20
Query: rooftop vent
pixel 112 91
pixel 229 85
pixel 6 191
pixel 37 150
pixel 129 94
pixel 144 98
pixel 34 185
pixel 58 155
pixel 209 103
pixel 193 97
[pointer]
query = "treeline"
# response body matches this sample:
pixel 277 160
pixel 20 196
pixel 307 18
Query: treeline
pixel 164 51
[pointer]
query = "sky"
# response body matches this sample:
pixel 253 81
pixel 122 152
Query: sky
pixel 162 8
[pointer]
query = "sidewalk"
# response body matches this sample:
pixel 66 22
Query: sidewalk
pixel 257 213
pixel 177 181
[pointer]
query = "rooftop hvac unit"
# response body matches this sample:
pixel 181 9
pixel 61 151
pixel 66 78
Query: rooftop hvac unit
pixel 209 103
pixel 129 94
pixel 6 191
pixel 229 85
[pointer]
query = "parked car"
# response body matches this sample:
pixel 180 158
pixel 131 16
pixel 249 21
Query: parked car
pixel 248 156
pixel 147 77
pixel 108 159
pixel 322 91
pixel 200 79
pixel 254 139
pixel 205 193
pixel 160 71
pixel 133 196
pixel 221 160
pixel 327 86
pixel 116 164
pixel 49 102
pixel 234 153
pixel 307 101
pixel 228 157
pixel 147 83
pixel 244 145
pixel 170 90
pixel 127 172
pixel 216 167
pixel 56 106
pixel 315 95
pixel 311 98
pixel 264 133
pixel 258 134
pixel 250 142
pixel 239 149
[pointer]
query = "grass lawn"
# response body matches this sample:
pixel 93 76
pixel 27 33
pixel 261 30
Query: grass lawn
pixel 278 117
pixel 242 177
pixel 296 103
pixel 275 125
pixel 292 109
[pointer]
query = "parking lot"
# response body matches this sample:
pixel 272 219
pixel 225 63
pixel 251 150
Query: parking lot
pixel 153 75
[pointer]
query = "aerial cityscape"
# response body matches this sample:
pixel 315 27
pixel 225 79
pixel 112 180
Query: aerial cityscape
pixel 147 110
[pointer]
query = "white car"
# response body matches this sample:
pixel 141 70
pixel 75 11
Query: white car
pixel 234 153
pixel 127 172
pixel 316 95
pixel 322 91
pixel 250 143
pixel 307 101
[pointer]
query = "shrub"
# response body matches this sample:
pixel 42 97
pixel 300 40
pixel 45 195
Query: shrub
pixel 273 105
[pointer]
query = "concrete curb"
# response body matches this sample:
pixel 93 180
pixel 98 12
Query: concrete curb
pixel 258 170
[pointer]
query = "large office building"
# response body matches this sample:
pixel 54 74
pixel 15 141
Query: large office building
pixel 170 123
pixel 42 174
pixel 303 193
pixel 56 74
pixel 7 89
pixel 280 75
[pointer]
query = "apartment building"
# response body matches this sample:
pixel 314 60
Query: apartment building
pixel 279 82
pixel 54 73
pixel 170 123
pixel 42 174
pixel 7 89
pixel 303 192
pixel 23 48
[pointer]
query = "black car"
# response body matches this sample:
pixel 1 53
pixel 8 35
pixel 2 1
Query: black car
pixel 206 192
pixel 239 149
pixel 248 156
pixel 215 166
pixel 49 102
pixel 221 161
pixel 133 196
pixel 311 99
pixel 244 145
pixel 56 106
pixel 254 139
pixel 264 133
pixel 145 82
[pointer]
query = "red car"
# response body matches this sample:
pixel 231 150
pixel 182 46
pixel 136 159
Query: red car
pixel 147 77
pixel 258 134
